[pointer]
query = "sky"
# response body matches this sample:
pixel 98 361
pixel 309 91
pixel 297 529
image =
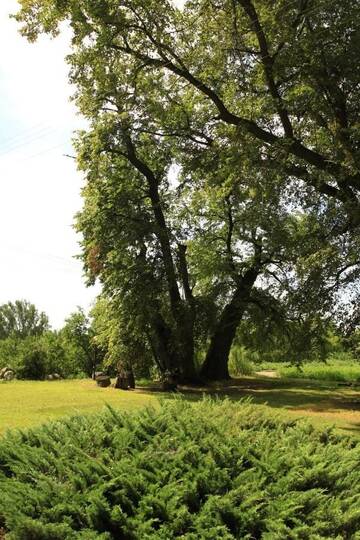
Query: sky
pixel 39 185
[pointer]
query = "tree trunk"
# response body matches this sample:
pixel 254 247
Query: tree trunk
pixel 160 338
pixel 185 343
pixel 180 335
pixel 173 349
pixel 215 366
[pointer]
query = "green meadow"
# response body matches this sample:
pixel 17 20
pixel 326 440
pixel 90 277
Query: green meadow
pixel 329 371
pixel 29 403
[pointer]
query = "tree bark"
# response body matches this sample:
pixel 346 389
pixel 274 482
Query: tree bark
pixel 185 347
pixel 174 349
pixel 186 319
pixel 215 366
pixel 160 339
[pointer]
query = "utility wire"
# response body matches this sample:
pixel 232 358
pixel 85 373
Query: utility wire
pixel 27 142
pixel 23 133
pixel 48 256
pixel 23 137
pixel 46 151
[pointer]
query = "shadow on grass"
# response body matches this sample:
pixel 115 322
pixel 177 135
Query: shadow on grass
pixel 354 428
pixel 324 402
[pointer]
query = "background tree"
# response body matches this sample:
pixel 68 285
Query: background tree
pixel 118 336
pixel 79 333
pixel 21 319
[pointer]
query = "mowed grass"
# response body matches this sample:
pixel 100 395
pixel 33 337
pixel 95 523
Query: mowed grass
pixel 27 403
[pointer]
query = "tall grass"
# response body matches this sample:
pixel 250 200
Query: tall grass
pixel 339 368
pixel 241 361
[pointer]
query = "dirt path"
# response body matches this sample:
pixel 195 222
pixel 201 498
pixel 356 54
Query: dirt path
pixel 268 373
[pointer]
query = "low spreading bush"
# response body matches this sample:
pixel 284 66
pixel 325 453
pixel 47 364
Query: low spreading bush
pixel 209 470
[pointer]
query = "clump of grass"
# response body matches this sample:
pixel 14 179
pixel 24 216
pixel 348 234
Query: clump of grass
pixel 271 366
pixel 194 471
pixel 240 362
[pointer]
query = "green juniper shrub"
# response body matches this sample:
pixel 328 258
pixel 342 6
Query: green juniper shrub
pixel 206 470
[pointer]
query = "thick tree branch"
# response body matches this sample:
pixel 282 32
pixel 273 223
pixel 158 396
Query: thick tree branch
pixel 163 236
pixel 268 64
pixel 230 235
pixel 184 275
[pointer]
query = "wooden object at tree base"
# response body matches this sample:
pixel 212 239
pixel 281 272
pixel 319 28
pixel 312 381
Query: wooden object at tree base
pixel 97 374
pixel 125 379
pixel 103 381
pixel 169 383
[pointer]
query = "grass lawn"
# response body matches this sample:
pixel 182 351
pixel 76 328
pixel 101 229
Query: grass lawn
pixel 27 403
pixel 334 370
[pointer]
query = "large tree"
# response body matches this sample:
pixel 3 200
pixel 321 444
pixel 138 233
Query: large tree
pixel 221 156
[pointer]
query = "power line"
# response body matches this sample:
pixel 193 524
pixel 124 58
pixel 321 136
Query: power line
pixel 21 139
pixel 48 256
pixel 27 142
pixel 44 151
pixel 23 133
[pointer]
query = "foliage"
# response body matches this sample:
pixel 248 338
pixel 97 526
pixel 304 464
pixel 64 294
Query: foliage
pixel 210 470
pixel 241 361
pixel 32 361
pixel 34 357
pixel 29 357
pixel 78 336
pixel 270 337
pixel 30 348
pixel 21 319
pixel 352 343
pixel 117 335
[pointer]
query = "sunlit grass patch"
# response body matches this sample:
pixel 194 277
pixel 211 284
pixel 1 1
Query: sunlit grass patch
pixel 27 403
pixel 331 371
